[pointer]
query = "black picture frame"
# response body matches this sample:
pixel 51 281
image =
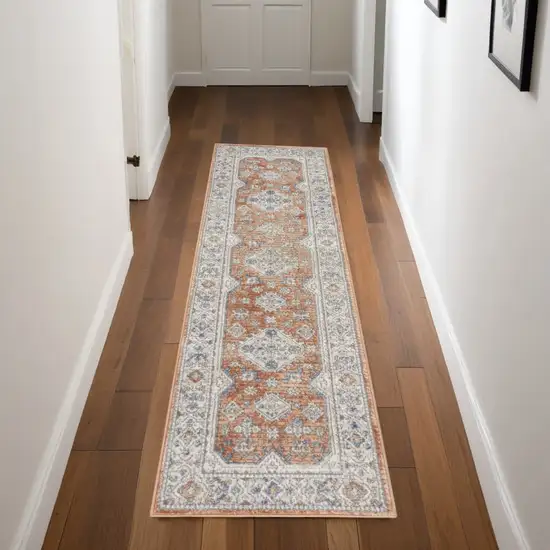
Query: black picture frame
pixel 523 80
pixel 440 10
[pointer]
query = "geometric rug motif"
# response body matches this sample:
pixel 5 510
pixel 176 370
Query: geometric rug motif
pixel 272 409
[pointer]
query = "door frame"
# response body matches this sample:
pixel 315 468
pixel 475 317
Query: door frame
pixel 365 45
pixel 130 104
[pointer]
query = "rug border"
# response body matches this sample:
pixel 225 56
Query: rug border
pixel 375 419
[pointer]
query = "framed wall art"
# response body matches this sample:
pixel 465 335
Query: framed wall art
pixel 512 39
pixel 439 7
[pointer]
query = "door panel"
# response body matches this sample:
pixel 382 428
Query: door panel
pixel 285 42
pixel 256 42
pixel 229 32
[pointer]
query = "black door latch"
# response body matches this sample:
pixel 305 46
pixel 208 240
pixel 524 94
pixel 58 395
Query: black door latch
pixel 134 161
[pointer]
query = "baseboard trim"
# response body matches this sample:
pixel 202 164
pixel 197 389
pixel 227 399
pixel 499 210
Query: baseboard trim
pixel 355 94
pixel 171 88
pixel 189 78
pixel 329 78
pixel 150 173
pixel 47 482
pixel 317 78
pixel 506 524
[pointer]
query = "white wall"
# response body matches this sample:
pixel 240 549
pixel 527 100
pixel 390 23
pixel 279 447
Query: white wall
pixel 64 240
pixel 153 68
pixel 330 41
pixel 469 158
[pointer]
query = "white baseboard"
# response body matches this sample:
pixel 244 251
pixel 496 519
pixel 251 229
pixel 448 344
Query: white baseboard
pixel 317 78
pixel 355 94
pixel 150 172
pixel 189 78
pixel 171 88
pixel 329 78
pixel 47 481
pixel 506 524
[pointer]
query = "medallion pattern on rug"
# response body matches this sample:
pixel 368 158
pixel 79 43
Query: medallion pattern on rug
pixel 272 411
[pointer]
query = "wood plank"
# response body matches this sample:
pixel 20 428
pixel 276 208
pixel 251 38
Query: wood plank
pixel 181 292
pixel 409 530
pixel 411 278
pixel 287 133
pixel 78 462
pixel 101 511
pixel 162 277
pixel 139 370
pixel 214 534
pixel 228 534
pixel 153 533
pixel 404 339
pixel 342 534
pixel 176 533
pixel 161 282
pixel 125 427
pixel 284 533
pixel 442 515
pixel 463 475
pixel 396 437
pixel 369 197
pixel 240 534
pixel 230 133
pixel 400 243
pixel 207 102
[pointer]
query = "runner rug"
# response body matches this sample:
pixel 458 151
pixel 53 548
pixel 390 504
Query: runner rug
pixel 272 409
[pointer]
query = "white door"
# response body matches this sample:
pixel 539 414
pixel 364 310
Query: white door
pixel 129 97
pixel 256 42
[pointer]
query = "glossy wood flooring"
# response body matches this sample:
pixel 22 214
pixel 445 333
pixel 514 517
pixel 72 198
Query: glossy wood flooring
pixel 106 493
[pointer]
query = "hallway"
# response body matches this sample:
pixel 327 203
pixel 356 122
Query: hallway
pixel 106 494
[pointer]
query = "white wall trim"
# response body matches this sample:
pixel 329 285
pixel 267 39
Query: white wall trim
pixel 47 481
pixel 506 524
pixel 317 78
pixel 329 78
pixel 149 173
pixel 191 78
pixel 171 87
pixel 354 93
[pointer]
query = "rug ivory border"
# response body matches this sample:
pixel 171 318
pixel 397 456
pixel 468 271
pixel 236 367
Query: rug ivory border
pixel 374 417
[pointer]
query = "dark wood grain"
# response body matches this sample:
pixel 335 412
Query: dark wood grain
pixel 139 370
pixel 125 427
pixel 402 333
pixel 76 467
pixel 342 534
pixel 105 498
pixel 396 437
pixel 432 467
pixel 409 531
pixel 101 511
pixel 281 534
pixel 151 533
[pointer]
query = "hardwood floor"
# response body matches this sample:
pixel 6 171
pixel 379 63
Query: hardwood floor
pixel 107 489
